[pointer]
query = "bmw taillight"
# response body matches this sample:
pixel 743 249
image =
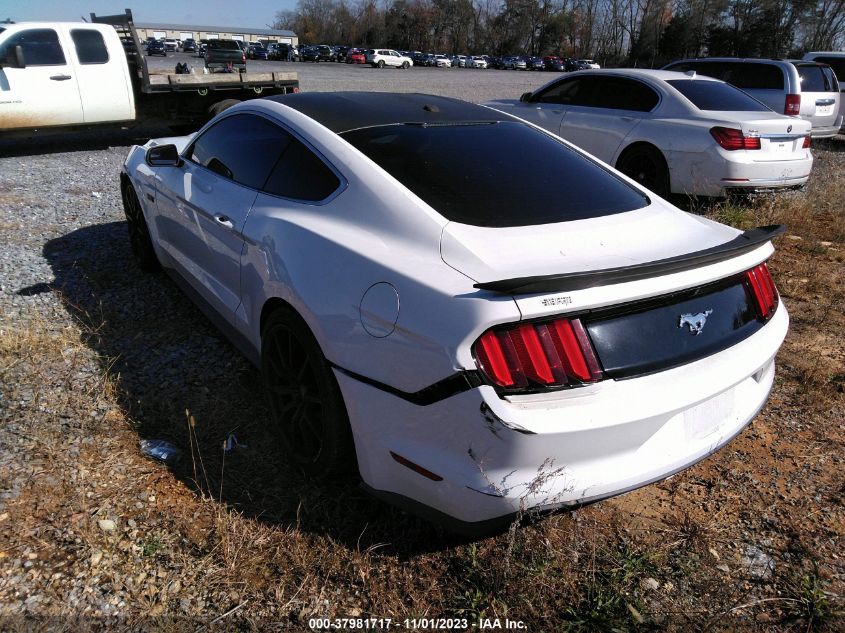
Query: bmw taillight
pixel 546 354
pixel 731 139
pixel 806 144
pixel 792 105
pixel 759 281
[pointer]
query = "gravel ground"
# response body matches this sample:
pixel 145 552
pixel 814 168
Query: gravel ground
pixel 96 354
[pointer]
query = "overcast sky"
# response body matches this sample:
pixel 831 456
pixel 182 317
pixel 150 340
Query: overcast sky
pixel 252 13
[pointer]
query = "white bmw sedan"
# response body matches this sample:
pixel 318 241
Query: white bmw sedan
pixel 540 333
pixel 672 132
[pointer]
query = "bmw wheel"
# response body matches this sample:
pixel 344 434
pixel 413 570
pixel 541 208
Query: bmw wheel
pixel 380 63
pixel 646 165
pixel 405 65
pixel 139 233
pixel 307 409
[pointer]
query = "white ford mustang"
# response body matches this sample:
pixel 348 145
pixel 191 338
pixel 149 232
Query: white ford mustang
pixel 672 132
pixel 538 333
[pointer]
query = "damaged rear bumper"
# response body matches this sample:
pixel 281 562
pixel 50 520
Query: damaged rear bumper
pixel 496 457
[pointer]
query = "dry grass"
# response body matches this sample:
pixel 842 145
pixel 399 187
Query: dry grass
pixel 241 538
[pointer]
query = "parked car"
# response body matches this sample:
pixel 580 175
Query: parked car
pixel 356 56
pixel 589 63
pixel 381 57
pixel 455 341
pixel 171 45
pixel 553 63
pixel 257 51
pixel 189 46
pixel 156 47
pixel 796 88
pixel 836 60
pixel 224 55
pixel 535 63
pixel 441 61
pixel 673 132
pixel 515 63
pixel 476 61
pixel 309 54
pixel 572 65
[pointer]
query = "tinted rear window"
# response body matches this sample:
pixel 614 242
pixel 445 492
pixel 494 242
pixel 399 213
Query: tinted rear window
pixel 837 63
pixel 745 75
pixel 519 176
pixel 224 44
pixel 814 79
pixel 712 95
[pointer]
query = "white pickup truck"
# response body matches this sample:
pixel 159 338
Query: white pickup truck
pixel 62 76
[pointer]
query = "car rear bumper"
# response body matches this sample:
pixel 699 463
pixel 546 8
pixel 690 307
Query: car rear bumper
pixel 719 172
pixel 826 131
pixel 498 457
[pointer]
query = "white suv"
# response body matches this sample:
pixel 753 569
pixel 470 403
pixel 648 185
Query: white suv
pixel 381 57
pixel 476 62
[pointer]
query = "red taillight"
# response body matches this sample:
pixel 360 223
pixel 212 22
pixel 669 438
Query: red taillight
pixel 759 281
pixel 548 354
pixel 732 139
pixel 806 144
pixel 792 106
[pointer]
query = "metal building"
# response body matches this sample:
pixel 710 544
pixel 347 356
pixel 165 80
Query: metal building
pixel 203 32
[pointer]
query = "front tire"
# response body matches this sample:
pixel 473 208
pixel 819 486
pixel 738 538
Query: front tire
pixel 139 233
pixel 309 417
pixel 646 165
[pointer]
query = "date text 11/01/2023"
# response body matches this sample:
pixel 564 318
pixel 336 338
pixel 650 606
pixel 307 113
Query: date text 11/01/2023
pixel 415 624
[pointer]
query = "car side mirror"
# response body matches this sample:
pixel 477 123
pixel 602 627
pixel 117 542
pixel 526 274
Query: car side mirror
pixel 526 97
pixel 14 58
pixel 163 156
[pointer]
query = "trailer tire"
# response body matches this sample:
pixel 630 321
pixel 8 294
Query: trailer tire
pixel 218 107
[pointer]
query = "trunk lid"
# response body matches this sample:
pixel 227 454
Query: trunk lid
pixel 656 232
pixel 781 137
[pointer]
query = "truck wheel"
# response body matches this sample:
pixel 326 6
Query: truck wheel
pixel 139 234
pixel 218 107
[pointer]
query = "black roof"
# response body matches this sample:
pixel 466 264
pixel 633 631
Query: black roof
pixel 345 111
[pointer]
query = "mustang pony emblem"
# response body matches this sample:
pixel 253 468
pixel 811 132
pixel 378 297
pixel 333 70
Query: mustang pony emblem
pixel 695 321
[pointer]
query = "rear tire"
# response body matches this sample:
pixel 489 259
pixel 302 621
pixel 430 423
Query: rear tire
pixel 380 63
pixel 307 409
pixel 220 106
pixel 646 165
pixel 139 233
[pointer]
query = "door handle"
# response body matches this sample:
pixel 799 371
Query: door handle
pixel 224 220
pixel 60 77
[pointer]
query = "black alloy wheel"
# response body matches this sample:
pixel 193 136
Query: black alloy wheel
pixel 309 418
pixel 139 233
pixel 647 167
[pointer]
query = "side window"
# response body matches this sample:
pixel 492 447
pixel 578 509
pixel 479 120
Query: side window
pixel 40 47
pixel 751 76
pixel 564 92
pixel 301 175
pixel 90 46
pixel 618 93
pixel 243 148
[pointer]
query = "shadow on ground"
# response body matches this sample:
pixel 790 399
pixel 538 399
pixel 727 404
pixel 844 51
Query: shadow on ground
pixel 168 359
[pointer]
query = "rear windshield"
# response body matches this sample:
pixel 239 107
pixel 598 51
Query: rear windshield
pixel 745 75
pixel 230 44
pixel 815 79
pixel 519 176
pixel 713 95
pixel 837 63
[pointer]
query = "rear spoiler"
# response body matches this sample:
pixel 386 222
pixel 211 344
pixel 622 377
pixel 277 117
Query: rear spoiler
pixel 741 244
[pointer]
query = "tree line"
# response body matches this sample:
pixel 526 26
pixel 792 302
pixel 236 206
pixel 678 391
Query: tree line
pixel 614 32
